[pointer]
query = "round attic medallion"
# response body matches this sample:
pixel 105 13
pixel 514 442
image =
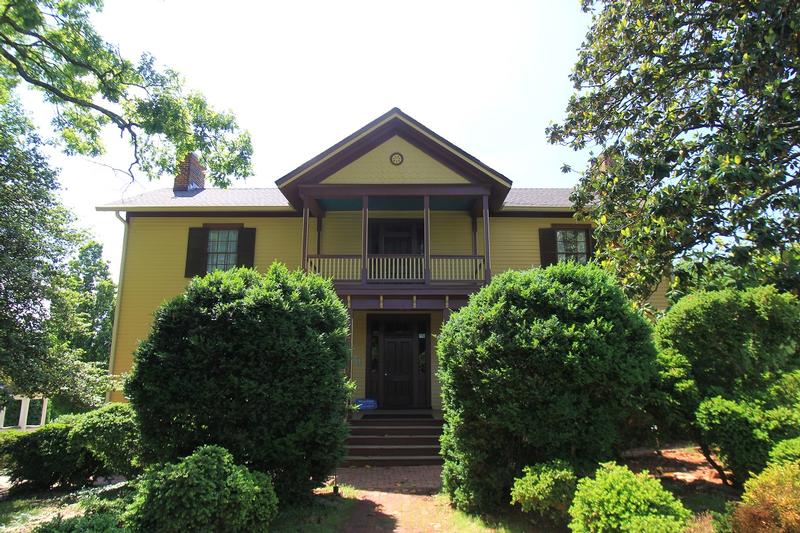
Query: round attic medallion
pixel 396 158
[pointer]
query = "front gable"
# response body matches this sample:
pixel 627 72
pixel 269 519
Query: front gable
pixel 363 164
pixel 412 165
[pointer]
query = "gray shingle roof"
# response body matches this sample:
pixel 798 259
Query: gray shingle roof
pixel 273 198
pixel 538 197
pixel 167 198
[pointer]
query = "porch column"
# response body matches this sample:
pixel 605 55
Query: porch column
pixel 364 236
pixel 23 413
pixel 305 236
pixel 427 236
pixel 486 248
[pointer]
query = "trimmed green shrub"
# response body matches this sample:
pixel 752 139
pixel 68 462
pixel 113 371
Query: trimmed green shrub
pixel 771 501
pixel 619 500
pixel 737 432
pixel 47 456
pixel 254 363
pixel 545 488
pixel 205 492
pixel 6 438
pixel 541 364
pixel 786 451
pixel 111 435
pixel 727 343
pixel 90 523
pixel 744 433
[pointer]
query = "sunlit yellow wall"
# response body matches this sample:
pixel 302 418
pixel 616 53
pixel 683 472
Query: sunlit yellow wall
pixel 374 167
pixel 155 259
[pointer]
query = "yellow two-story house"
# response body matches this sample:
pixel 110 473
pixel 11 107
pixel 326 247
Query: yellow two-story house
pixel 406 224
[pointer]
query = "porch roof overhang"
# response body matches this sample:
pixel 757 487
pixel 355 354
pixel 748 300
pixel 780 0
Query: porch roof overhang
pixel 304 183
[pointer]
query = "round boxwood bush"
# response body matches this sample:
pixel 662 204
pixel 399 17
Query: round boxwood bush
pixel 546 489
pixel 204 492
pixel 619 500
pixel 254 363
pixel 541 364
pixel 111 435
pixel 729 342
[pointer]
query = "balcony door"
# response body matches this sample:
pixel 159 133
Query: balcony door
pixel 396 237
pixel 398 372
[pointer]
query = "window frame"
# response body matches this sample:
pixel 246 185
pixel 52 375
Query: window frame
pixel 587 231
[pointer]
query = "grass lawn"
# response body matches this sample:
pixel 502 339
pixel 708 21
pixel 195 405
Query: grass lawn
pixel 325 513
pixel 21 511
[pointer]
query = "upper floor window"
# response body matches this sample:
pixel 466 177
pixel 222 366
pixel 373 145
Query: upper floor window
pixel 219 247
pixel 571 245
pixel 222 247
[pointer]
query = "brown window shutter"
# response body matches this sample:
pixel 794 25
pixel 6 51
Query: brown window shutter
pixel 196 252
pixel 547 246
pixel 246 248
pixel 590 243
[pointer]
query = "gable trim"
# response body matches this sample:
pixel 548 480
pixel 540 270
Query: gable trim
pixel 385 121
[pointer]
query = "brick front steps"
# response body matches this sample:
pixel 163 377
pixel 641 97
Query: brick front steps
pixel 388 439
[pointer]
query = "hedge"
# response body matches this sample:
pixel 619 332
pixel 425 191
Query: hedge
pixel 205 492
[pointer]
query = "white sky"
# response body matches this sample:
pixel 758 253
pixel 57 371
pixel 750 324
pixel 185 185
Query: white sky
pixel 300 76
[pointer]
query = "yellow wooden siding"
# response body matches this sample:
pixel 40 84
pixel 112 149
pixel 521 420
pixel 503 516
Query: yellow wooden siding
pixel 154 268
pixel 374 167
pixel 515 241
pixel 341 233
pixel 451 233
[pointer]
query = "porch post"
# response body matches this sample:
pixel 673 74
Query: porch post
pixel 364 236
pixel 486 249
pixel 22 423
pixel 427 236
pixel 305 236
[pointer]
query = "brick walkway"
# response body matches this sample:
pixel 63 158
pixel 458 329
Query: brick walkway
pixel 403 499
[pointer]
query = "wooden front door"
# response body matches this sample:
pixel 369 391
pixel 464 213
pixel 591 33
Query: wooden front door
pixel 398 361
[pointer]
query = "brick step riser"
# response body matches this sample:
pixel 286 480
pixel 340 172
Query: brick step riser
pixel 392 461
pixel 396 422
pixel 379 432
pixel 393 440
pixel 383 451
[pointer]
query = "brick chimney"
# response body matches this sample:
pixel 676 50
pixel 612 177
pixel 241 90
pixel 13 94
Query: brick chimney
pixel 191 174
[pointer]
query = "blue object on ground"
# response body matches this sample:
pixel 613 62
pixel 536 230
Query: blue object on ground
pixel 364 404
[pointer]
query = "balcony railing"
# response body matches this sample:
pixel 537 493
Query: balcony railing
pixel 336 267
pixel 391 268
pixel 457 267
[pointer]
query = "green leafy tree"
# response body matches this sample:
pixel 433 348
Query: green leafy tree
pixel 35 237
pixel 691 111
pixel 51 45
pixel 81 315
pixel 82 304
